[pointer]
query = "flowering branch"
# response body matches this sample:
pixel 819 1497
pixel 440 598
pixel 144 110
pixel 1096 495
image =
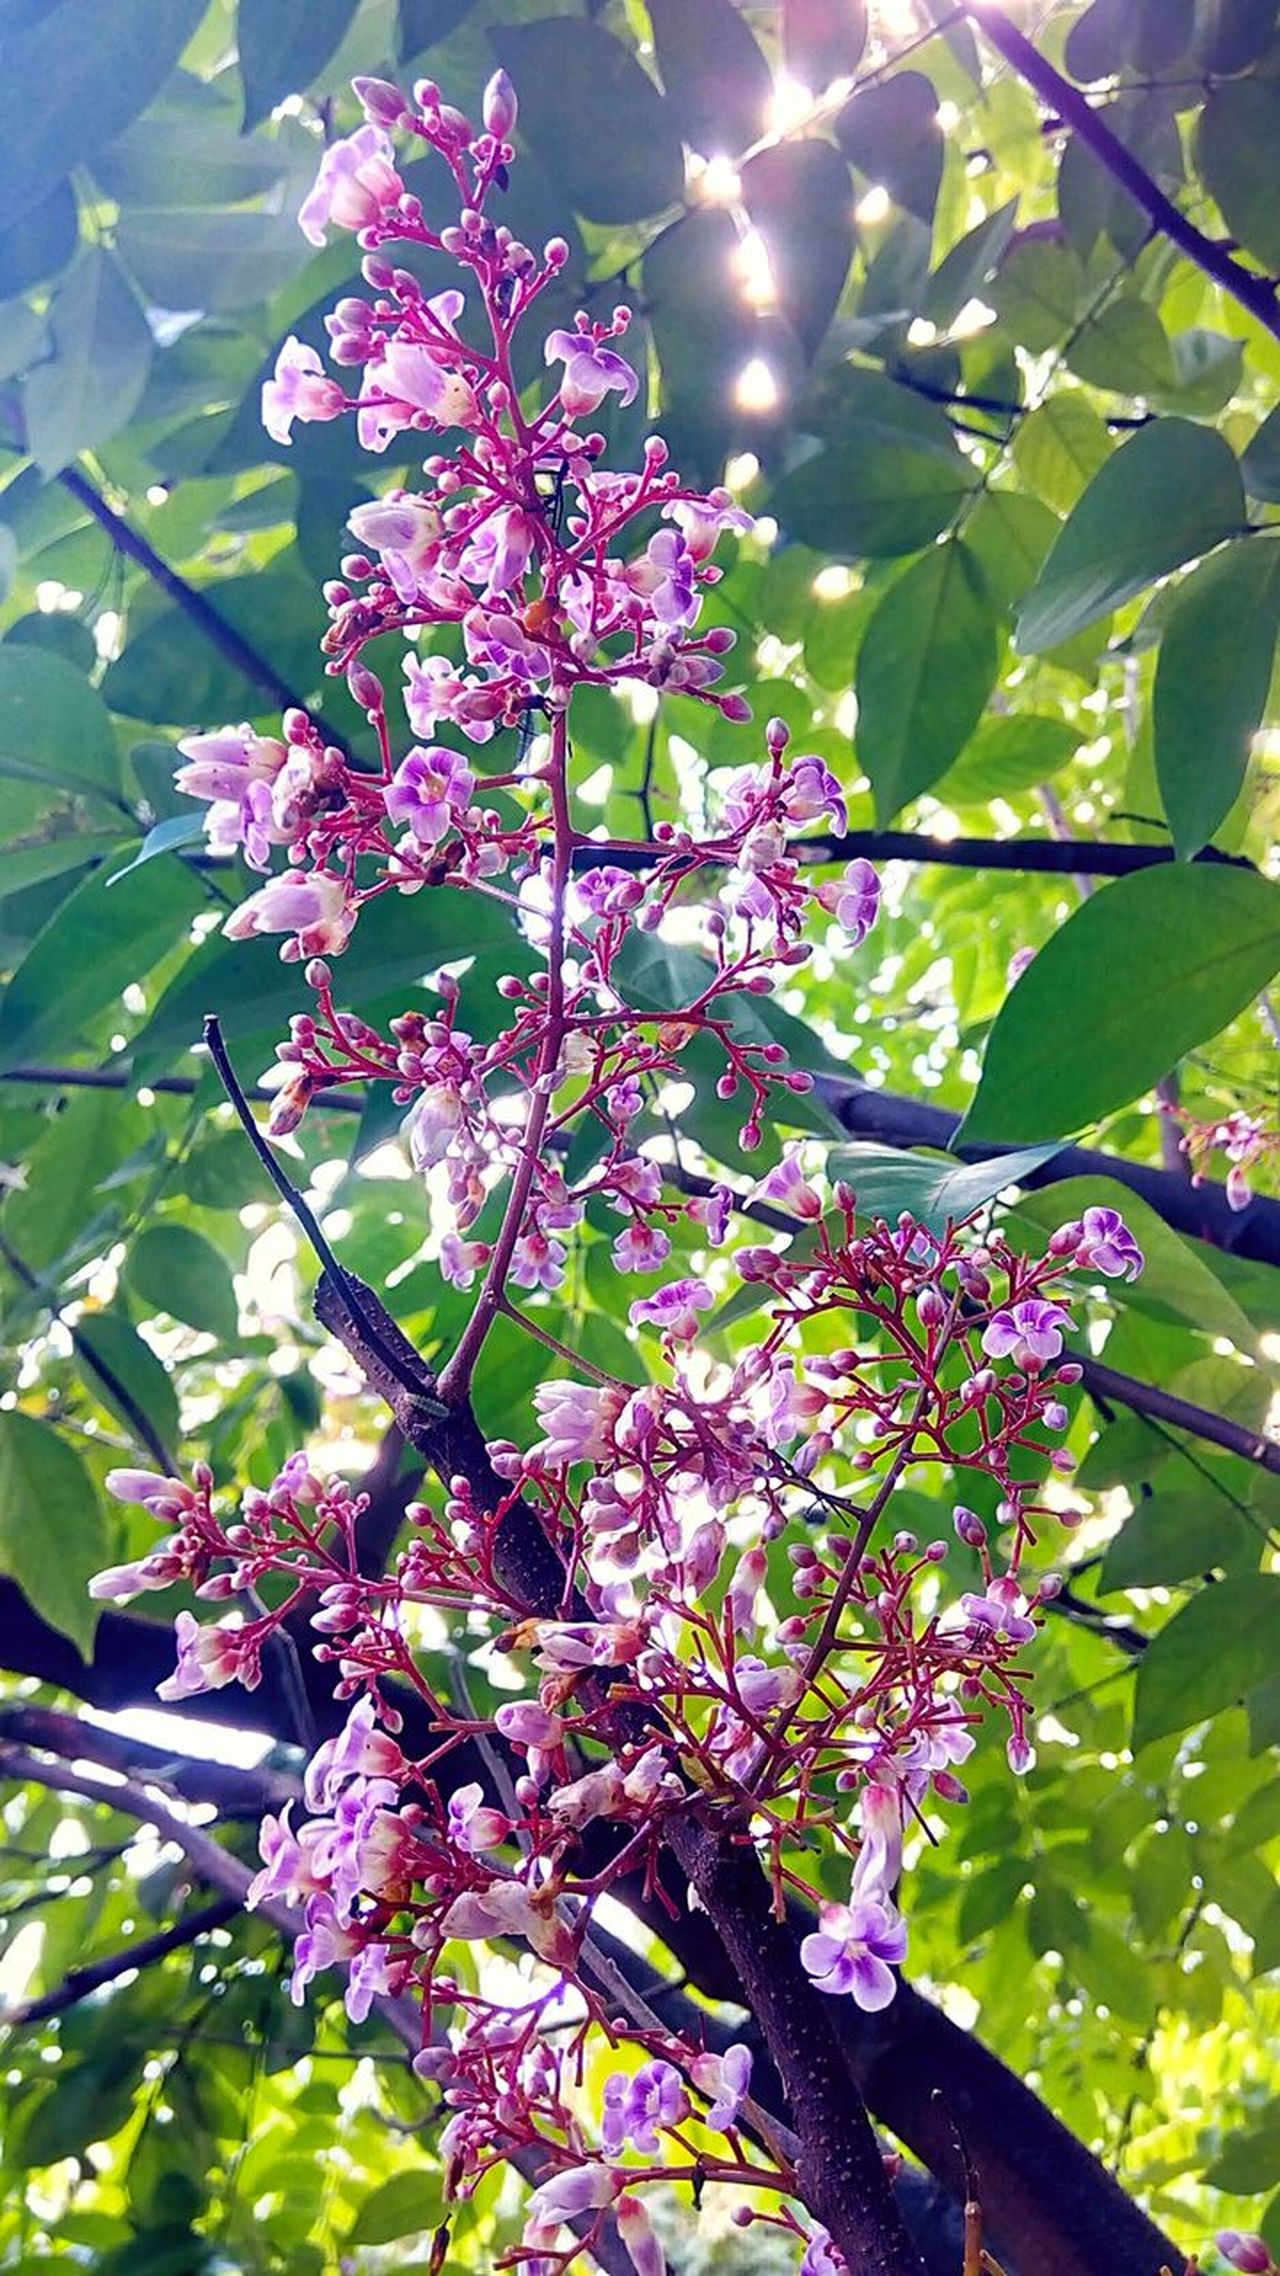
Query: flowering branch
pixel 669 1714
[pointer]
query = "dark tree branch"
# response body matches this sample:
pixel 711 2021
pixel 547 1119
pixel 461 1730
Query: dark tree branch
pixel 136 1417
pixel 1044 857
pixel 194 603
pixel 1253 291
pixel 81 1983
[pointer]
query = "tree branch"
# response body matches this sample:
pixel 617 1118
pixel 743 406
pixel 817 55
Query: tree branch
pixel 1253 291
pixel 81 1983
pixel 193 602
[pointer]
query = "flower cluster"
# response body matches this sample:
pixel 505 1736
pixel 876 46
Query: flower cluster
pixel 655 1671
pixel 1244 1141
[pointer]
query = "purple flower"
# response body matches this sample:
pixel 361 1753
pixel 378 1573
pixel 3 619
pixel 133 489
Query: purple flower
pixel 810 790
pixel 642 1248
pixel 636 2107
pixel 856 1951
pixel 360 1750
pixel 591 371
pixel 854 900
pixel 1001 1613
pixel 300 389
pixel 577 1419
pixel 472 1826
pixel 822 2257
pixel 316 908
pixel 410 384
pixel 430 790
pixel 674 1309
pixel 1108 1245
pixel 356 181
pixel 726 2080
pixel 323 1944
pixel 499 550
pixel 664 576
pixel 1030 1332
pixel 207 1659
pixel 1249 2253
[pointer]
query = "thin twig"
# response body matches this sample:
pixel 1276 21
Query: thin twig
pixel 81 1983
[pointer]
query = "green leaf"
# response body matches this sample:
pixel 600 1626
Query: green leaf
pixel 52 1534
pixel 1249 2162
pixel 1142 972
pixel 867 497
pixel 961 275
pixel 54 727
pixel 21 866
pixel 1207 371
pixel 84 392
pixel 1239 150
pixel 823 40
pixel 703 332
pixel 926 667
pixel 173 674
pixel 1172 492
pixel 421 22
pixel 1207 1657
pixel 1125 348
pixel 1147 35
pixel 1234 33
pixel 623 159
pixel 166 837
pixel 126 1375
pixel 798 196
pixel 284 45
pixel 1177 1536
pixel 107 933
pixel 185 160
pixel 935 1188
pixel 1059 447
pixel 890 132
pixel 717 81
pixel 181 1273
pixel 67 92
pixel 1212 678
pixel 407 2205
pixel 1037 292
pixel 66 1167
pixel 1007 756
pixel 1260 464
pixel 1009 535
pixel 212 258
pixel 39 243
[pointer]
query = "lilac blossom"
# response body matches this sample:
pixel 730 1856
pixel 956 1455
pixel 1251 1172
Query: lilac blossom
pixel 1029 1332
pixel 429 791
pixel 856 1950
pixel 636 2108
pixel 726 2081
pixel 360 1750
pixel 474 1827
pixel 591 371
pixel 300 388
pixel 674 1309
pixel 356 183
pixel 208 1658
pixel 1107 1244
pixel 853 900
pixel 316 908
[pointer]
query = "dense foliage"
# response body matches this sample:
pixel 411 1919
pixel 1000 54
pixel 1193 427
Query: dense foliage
pixel 979 330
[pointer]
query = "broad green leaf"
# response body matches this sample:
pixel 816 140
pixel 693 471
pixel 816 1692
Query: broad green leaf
pixel 823 40
pixel 1260 464
pixel 183 160
pixel 1208 1656
pixel 623 159
pixel 1171 492
pixel 1212 678
pixel 848 404
pixel 1037 292
pixel 173 674
pixel 52 1534
pixel 717 81
pixel 217 259
pixel 1177 1536
pixel 926 667
pixel 704 334
pixel 798 195
pixel 106 934
pixel 1249 2162
pixel 1126 348
pixel 67 1168
pixel 890 132
pixel 1142 972
pixel 126 1375
pixel 166 837
pixel 935 1188
pixel 180 1272
pixel 1232 34
pixel 83 393
pixel 23 866
pixel 867 497
pixel 1207 371
pixel 66 91
pixel 1007 756
pixel 1239 150
pixel 1059 447
pixel 38 243
pixel 1148 35
pixel 1009 534
pixel 284 45
pixel 407 2205
pixel 961 275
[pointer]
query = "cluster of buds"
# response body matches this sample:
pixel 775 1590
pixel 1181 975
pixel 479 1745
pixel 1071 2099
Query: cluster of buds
pixel 1243 1140
pixel 677 1494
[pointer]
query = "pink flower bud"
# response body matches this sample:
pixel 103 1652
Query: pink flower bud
pixel 500 108
pixel 1245 2252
